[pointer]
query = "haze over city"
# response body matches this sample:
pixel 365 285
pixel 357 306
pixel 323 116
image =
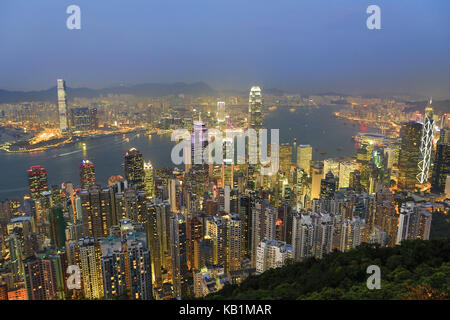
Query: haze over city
pixel 300 46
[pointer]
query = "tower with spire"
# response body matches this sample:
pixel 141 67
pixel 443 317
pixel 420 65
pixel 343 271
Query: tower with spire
pixel 426 145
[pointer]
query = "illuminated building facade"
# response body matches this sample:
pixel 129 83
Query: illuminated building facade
pixel 441 168
pixel 149 180
pixel 134 168
pixel 304 157
pixel 86 253
pixel 272 254
pixel 285 158
pixel 426 145
pixel 62 104
pixel 408 160
pixel 97 212
pixel 220 111
pixel 37 181
pixel 40 279
pixel 87 173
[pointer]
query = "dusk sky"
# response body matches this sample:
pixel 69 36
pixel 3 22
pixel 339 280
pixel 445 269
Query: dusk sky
pixel 311 45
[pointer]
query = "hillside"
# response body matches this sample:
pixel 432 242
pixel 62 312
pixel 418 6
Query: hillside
pixel 414 270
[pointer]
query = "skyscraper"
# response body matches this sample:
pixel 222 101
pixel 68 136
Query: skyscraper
pixel 285 158
pixel 62 104
pixel 255 108
pixel 408 160
pixel 328 186
pixel 134 168
pixel 255 121
pixel 37 181
pixel 87 173
pixel 316 175
pixel 441 168
pixel 220 111
pixel 96 211
pixel 426 145
pixel 304 157
pixel 149 180
pixel 345 168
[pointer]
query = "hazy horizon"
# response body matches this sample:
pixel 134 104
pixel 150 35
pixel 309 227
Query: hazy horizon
pixel 294 46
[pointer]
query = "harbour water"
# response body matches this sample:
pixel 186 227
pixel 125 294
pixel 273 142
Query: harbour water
pixel 315 126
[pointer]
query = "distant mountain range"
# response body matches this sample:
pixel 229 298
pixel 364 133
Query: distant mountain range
pixel 140 90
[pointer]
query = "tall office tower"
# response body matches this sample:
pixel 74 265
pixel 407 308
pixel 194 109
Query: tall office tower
pixel 294 151
pixel 86 253
pixel 255 121
pixel 408 159
pixel 199 141
pixel 352 233
pixel 345 168
pixel 255 103
pixel 62 105
pixel 304 157
pixel 39 279
pixel 426 145
pixel 134 168
pixel 414 223
pixel 331 165
pixel 272 254
pixel 328 186
pixel 96 206
pixel 37 181
pixel 87 173
pixel 285 158
pixel 441 168
pixel 300 187
pixel 220 111
pixel 149 180
pixel 177 235
pixel 316 175
pixel 264 218
pixel 126 267
pixel 174 192
pixel 234 243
